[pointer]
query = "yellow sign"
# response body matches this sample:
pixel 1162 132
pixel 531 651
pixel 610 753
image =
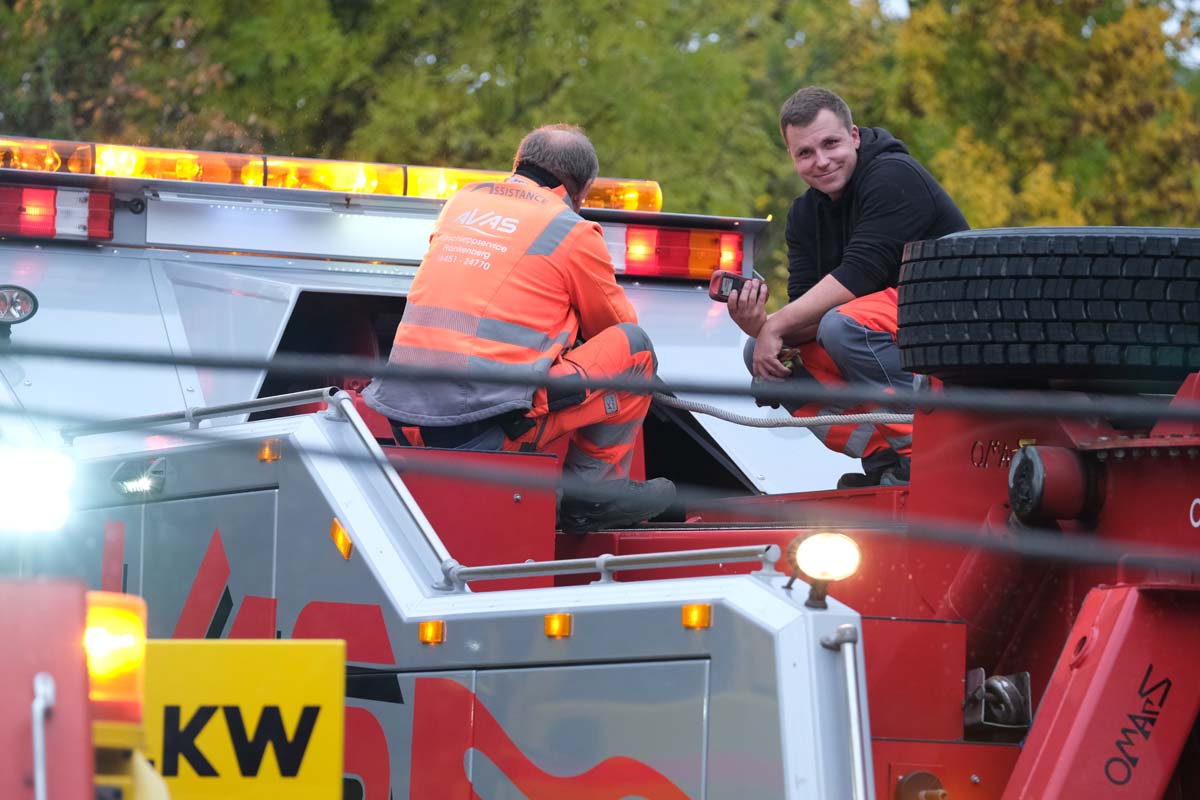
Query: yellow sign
pixel 233 719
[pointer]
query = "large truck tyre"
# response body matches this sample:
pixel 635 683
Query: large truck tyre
pixel 1029 306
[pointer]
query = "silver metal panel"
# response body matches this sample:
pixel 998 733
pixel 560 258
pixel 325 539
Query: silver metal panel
pixel 210 310
pixel 392 564
pixel 95 299
pixel 306 274
pixel 338 277
pixel 697 342
pixel 178 535
pixel 18 430
pixel 323 229
pixel 77 551
pixel 309 566
pixel 567 720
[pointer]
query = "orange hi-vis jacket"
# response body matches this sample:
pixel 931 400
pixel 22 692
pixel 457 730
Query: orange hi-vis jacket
pixel 513 277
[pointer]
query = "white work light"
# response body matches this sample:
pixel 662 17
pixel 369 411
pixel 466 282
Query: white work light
pixel 140 478
pixel 828 556
pixel 823 557
pixel 17 304
pixel 35 488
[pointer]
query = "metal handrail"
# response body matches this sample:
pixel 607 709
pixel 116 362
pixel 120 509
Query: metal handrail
pixel 42 705
pixel 845 640
pixel 194 414
pixel 457 575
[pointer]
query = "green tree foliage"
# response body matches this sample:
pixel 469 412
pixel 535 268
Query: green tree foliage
pixel 1030 113
pixel 1048 114
pixel 115 71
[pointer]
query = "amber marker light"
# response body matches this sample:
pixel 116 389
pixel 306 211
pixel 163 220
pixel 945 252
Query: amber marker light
pixel 432 631
pixel 341 538
pixel 697 616
pixel 557 626
pixel 115 642
pixel 269 451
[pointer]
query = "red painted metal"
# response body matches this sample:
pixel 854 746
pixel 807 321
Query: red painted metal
pixel 881 585
pixel 1038 637
pixel 637 469
pixel 1189 392
pixel 960 462
pixel 882 503
pixel 360 624
pixel 365 754
pixel 914 674
pixel 968 771
pixel 494 522
pixel 377 423
pixel 1065 489
pixel 588 545
pixel 255 619
pixel 990 593
pixel 212 579
pixel 112 564
pixel 45 636
pixel 933 611
pixel 1122 700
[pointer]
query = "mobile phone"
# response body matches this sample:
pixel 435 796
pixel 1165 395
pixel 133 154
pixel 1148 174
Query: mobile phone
pixel 723 282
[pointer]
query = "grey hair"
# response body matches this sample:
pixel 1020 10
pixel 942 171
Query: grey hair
pixel 802 108
pixel 563 151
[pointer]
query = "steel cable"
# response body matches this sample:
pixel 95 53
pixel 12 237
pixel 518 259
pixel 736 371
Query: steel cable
pixel 872 418
pixel 975 400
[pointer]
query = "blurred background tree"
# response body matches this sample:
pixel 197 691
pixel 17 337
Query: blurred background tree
pixel 1030 113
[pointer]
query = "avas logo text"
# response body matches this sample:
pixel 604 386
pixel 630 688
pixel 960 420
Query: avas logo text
pixel 488 219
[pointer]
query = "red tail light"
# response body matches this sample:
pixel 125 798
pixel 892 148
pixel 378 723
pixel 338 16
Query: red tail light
pixel 100 216
pixel 55 213
pixel 693 253
pixel 27 212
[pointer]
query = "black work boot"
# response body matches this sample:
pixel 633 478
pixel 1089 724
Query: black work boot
pixel 879 469
pixel 614 504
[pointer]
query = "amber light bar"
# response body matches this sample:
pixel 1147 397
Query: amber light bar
pixel 120 161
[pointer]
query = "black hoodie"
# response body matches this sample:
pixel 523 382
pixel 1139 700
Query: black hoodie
pixel 858 238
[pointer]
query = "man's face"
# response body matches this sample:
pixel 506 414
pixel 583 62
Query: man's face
pixel 824 152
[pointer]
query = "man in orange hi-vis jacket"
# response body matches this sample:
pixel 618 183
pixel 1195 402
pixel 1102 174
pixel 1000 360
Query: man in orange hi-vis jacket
pixel 513 279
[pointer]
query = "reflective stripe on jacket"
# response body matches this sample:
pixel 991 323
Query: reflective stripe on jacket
pixel 512 278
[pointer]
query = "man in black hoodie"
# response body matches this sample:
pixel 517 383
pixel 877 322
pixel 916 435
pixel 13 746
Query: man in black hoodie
pixel 867 197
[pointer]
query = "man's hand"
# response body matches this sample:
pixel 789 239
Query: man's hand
pixel 766 363
pixel 748 307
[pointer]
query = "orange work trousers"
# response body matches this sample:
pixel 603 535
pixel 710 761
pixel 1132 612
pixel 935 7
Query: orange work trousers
pixel 856 343
pixel 602 425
